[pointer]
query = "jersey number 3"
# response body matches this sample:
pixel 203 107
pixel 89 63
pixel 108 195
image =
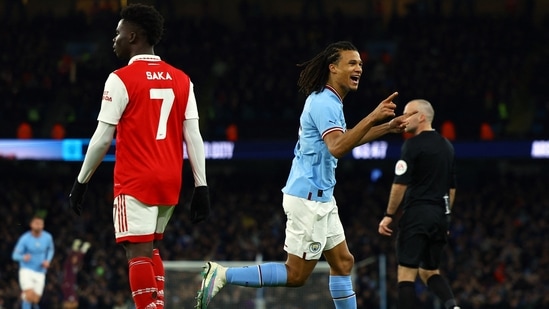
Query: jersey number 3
pixel 167 96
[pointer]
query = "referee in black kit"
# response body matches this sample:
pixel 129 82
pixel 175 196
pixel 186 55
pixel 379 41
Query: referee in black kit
pixel 425 182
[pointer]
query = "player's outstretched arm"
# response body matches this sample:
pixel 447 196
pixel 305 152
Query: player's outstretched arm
pixel 339 143
pixel 396 125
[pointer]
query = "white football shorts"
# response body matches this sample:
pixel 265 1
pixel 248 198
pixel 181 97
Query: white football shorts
pixel 311 227
pixel 32 280
pixel 135 221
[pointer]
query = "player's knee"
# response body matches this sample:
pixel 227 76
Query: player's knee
pixel 28 295
pixel 134 250
pixel 33 298
pixel 343 266
pixel 425 274
pixel 347 263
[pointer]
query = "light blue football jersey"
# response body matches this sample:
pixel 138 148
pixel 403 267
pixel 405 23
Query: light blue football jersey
pixel 312 175
pixel 40 248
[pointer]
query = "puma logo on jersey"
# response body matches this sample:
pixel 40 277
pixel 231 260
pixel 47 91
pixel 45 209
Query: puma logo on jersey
pixel 158 76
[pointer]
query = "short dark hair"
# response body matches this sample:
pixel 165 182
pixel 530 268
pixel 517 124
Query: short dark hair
pixel 147 18
pixel 314 75
pixel 37 217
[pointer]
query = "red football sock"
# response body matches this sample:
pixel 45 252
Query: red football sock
pixel 142 283
pixel 158 267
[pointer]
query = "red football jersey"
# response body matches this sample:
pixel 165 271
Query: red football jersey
pixel 147 100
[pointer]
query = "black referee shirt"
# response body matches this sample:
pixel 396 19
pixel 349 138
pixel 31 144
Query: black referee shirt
pixel 427 167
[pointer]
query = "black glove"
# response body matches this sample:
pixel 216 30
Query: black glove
pixel 200 204
pixel 76 197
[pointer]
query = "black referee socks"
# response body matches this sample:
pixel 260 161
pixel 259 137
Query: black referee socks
pixel 440 287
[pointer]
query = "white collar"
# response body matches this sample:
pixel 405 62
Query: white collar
pixel 144 58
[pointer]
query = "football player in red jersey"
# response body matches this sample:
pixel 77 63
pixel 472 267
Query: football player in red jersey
pixel 152 107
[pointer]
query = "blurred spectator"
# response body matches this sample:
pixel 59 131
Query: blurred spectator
pixel 455 59
pixel 71 267
pixel 58 131
pixel 486 132
pixel 448 130
pixel 24 131
pixel 497 253
pixel 232 132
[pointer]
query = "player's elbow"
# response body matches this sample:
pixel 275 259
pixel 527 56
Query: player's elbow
pixel 336 144
pixel 105 142
pixel 336 152
pixel 338 147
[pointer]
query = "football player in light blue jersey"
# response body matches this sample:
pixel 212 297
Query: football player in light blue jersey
pixel 34 251
pixel 313 227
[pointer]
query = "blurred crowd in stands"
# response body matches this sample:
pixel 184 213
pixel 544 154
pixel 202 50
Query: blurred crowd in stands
pixel 485 75
pixel 497 258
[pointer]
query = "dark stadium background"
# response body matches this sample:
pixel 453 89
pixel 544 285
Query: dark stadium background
pixel 478 62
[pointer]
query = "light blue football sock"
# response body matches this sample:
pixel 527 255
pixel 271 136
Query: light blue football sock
pixel 341 288
pixel 268 274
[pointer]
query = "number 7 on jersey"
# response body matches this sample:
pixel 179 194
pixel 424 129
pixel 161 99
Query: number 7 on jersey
pixel 167 96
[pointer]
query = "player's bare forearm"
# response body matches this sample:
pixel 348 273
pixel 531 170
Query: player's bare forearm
pixel 375 133
pixel 341 143
pixel 396 125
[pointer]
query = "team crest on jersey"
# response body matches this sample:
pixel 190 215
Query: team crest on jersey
pixel 400 167
pixel 158 76
pixel 314 247
pixel 106 96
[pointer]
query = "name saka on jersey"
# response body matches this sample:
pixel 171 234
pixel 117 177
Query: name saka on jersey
pixel 158 76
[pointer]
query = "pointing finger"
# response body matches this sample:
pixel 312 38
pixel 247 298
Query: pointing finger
pixel 391 97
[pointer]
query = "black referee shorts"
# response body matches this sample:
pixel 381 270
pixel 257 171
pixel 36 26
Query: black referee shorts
pixel 421 237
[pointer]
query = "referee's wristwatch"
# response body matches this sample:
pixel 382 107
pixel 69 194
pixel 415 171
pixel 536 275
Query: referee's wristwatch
pixel 385 214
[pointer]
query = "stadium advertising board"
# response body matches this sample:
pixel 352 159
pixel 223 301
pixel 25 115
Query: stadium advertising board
pixel 75 149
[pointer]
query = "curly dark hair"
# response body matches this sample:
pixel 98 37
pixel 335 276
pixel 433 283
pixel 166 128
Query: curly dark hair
pixel 147 18
pixel 314 75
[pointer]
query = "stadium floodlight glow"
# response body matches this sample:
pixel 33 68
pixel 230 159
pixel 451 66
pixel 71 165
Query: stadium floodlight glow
pixel 540 149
